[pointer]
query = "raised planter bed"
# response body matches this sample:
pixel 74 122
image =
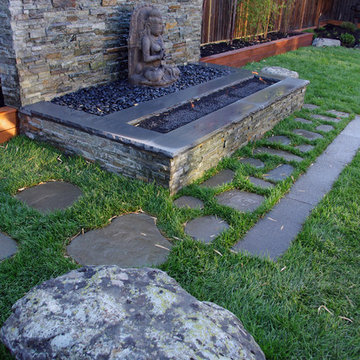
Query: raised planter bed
pixel 241 57
pixel 8 123
pixel 172 159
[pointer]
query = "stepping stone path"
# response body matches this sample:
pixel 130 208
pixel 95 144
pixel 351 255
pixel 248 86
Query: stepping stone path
pixel 279 139
pixel 304 148
pixel 240 200
pixel 273 234
pixel 8 247
pixel 283 154
pixel 131 240
pixel 326 118
pixel 307 134
pixel 260 183
pixel 280 173
pixel 253 162
pixel 310 106
pixel 223 177
pixel 205 228
pixel 338 113
pixel 325 128
pixel 189 202
pixel 302 121
pixel 50 196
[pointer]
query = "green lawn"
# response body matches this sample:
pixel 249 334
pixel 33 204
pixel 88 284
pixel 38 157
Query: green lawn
pixel 305 306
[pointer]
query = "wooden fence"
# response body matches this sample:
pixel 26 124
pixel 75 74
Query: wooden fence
pixel 228 19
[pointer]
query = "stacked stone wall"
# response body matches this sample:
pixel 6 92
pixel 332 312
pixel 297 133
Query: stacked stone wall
pixel 63 45
pixel 8 72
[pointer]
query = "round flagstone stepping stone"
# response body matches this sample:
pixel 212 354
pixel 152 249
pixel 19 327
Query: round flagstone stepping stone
pixel 304 148
pixel 283 154
pixel 310 106
pixel 205 228
pixel 326 118
pixel 260 183
pixel 325 128
pixel 8 247
pixel 338 113
pixel 189 202
pixel 303 121
pixel 307 134
pixel 223 177
pixel 131 240
pixel 50 196
pixel 280 173
pixel 279 139
pixel 253 162
pixel 240 200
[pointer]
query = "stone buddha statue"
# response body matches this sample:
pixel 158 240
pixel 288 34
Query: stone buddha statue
pixel 146 50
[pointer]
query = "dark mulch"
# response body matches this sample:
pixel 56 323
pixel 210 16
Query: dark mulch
pixel 334 32
pixel 118 95
pixel 192 111
pixel 212 49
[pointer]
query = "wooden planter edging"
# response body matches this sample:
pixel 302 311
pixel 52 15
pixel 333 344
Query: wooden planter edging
pixel 8 123
pixel 241 57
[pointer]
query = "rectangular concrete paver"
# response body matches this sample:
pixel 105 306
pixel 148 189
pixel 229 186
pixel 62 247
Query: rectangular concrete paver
pixel 318 180
pixel 273 234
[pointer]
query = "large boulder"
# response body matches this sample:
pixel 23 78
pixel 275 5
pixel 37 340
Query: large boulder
pixel 106 312
pixel 278 72
pixel 319 42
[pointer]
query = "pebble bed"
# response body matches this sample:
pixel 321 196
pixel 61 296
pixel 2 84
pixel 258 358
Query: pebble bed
pixel 118 95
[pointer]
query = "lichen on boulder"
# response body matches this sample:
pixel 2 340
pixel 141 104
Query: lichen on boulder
pixel 106 312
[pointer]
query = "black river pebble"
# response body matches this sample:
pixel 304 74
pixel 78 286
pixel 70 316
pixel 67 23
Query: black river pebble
pixel 118 95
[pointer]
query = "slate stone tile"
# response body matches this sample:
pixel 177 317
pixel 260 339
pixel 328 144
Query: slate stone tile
pixel 131 240
pixel 325 128
pixel 50 196
pixel 338 114
pixel 223 177
pixel 342 149
pixel 189 202
pixel 302 121
pixel 310 106
pixel 280 173
pixel 304 148
pixel 240 200
pixel 353 128
pixel 253 162
pixel 318 181
pixel 326 118
pixel 8 246
pixel 279 139
pixel 205 228
pixel 307 134
pixel 273 234
pixel 283 154
pixel 261 183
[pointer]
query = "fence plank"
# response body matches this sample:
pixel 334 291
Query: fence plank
pixel 228 19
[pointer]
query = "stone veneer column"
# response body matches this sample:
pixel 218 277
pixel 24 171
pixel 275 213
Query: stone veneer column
pixel 8 70
pixel 59 46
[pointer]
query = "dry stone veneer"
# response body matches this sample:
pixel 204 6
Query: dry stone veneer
pixel 52 47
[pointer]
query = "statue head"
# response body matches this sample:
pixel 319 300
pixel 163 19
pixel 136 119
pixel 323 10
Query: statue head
pixel 154 23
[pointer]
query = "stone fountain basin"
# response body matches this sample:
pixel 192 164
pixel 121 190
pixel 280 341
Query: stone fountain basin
pixel 174 159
